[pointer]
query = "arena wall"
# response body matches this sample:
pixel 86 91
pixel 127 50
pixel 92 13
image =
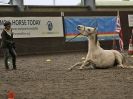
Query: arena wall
pixel 39 45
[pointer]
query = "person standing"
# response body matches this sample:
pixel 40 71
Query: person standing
pixel 8 45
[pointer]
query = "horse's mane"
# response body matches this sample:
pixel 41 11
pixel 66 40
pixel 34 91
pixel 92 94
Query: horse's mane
pixel 96 38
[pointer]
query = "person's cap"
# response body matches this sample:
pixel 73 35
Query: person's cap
pixel 7 23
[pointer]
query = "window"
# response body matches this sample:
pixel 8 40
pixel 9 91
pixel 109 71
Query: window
pixel 114 2
pixel 4 2
pixel 53 2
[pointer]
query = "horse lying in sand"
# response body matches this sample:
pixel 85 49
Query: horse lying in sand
pixel 97 57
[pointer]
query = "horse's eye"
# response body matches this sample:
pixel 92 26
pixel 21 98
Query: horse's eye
pixel 88 29
pixel 78 27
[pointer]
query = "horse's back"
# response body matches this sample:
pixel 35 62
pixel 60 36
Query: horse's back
pixel 117 53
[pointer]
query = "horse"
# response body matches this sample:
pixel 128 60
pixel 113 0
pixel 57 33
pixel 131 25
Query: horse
pixel 97 57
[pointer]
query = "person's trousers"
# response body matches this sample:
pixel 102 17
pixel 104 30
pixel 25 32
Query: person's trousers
pixel 9 52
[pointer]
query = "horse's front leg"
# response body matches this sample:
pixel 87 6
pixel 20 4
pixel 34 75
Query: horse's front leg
pixel 89 64
pixel 79 63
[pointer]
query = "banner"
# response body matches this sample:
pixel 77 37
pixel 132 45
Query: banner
pixel 28 27
pixel 105 27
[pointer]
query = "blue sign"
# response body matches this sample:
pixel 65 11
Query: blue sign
pixel 105 27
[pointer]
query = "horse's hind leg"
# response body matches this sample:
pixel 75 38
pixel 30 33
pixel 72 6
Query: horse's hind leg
pixel 119 61
pixel 77 64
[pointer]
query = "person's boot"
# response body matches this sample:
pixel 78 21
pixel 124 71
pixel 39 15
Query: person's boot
pixel 14 63
pixel 14 67
pixel 7 67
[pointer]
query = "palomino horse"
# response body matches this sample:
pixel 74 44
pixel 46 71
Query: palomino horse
pixel 97 57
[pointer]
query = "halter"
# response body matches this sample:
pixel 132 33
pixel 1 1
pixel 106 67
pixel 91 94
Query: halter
pixel 88 34
pixel 80 34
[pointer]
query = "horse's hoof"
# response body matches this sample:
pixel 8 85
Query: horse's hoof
pixel 120 66
pixel 81 68
pixel 92 66
pixel 69 68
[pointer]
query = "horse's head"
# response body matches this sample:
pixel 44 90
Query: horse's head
pixel 86 31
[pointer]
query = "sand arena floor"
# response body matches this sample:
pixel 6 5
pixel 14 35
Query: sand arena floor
pixel 37 78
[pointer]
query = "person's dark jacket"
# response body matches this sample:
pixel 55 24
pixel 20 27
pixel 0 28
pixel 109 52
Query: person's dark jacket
pixel 7 40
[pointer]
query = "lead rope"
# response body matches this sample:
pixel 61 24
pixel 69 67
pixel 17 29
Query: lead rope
pixel 74 37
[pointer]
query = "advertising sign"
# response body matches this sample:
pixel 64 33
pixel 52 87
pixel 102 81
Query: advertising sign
pixel 28 27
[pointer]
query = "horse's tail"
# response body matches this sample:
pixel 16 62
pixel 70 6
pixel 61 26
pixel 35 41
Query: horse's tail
pixel 128 66
pixel 123 59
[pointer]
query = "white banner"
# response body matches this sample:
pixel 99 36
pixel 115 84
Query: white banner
pixel 130 20
pixel 28 27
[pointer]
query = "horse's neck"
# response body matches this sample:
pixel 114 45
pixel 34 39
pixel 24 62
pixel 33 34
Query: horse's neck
pixel 92 44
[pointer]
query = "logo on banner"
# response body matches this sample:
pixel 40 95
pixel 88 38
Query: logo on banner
pixel 50 25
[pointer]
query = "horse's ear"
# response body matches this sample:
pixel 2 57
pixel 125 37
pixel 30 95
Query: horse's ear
pixel 95 29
